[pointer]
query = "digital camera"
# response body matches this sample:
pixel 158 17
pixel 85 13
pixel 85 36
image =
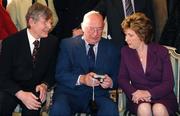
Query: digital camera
pixel 100 78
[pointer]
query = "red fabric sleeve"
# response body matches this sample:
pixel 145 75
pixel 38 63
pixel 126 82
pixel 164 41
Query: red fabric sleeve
pixel 7 27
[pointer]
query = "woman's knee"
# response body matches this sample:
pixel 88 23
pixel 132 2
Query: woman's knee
pixel 144 109
pixel 159 110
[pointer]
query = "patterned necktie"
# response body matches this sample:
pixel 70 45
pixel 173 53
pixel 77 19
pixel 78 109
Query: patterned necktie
pixel 35 51
pixel 129 8
pixel 91 57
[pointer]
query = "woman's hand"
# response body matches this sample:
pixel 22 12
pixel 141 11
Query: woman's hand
pixel 141 95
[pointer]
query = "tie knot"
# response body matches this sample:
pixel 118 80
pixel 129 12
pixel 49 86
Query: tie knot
pixel 36 43
pixel 91 45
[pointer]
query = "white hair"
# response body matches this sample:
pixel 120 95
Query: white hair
pixel 86 17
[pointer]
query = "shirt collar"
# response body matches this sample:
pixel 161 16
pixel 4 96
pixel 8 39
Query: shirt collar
pixel 87 44
pixel 30 37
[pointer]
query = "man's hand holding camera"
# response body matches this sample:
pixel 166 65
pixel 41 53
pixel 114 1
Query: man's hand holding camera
pixel 107 82
pixel 93 79
pixel 89 80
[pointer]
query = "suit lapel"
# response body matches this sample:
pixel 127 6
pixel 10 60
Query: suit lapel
pixel 81 53
pixel 134 62
pixel 25 47
pixel 100 54
pixel 151 58
pixel 43 51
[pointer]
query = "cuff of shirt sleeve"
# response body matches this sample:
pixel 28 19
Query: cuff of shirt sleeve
pixel 111 85
pixel 78 81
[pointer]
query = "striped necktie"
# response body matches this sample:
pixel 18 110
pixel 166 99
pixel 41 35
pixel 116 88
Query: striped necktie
pixel 35 51
pixel 129 8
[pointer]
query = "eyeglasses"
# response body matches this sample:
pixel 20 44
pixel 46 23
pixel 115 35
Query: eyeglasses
pixel 95 29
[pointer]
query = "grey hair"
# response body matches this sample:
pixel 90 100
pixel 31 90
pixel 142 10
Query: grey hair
pixel 37 10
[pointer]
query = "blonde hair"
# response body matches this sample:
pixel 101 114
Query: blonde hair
pixel 141 24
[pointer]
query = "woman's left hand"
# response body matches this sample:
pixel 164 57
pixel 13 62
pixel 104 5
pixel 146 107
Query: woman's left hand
pixel 141 95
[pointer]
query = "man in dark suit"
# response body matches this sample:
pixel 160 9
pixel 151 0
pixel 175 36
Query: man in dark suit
pixel 81 58
pixel 171 32
pixel 115 12
pixel 70 13
pixel 27 70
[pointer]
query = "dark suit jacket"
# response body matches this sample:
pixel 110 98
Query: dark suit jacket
pixel 16 68
pixel 72 62
pixel 170 6
pixel 70 13
pixel 171 33
pixel 113 10
pixel 158 78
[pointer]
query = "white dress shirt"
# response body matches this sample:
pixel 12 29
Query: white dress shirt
pixel 31 40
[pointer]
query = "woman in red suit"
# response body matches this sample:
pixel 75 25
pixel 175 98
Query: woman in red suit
pixel 6 25
pixel 146 74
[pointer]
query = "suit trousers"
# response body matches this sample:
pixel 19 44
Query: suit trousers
pixel 9 102
pixel 67 105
